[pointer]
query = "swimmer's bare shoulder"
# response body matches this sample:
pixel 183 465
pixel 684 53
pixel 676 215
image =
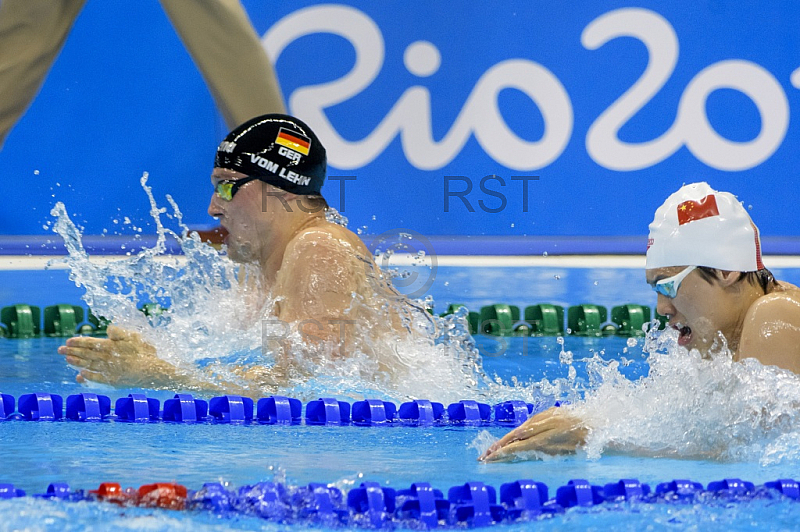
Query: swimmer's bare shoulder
pixel 771 330
pixel 336 235
pixel 322 267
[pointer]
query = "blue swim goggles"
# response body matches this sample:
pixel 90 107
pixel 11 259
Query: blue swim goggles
pixel 669 287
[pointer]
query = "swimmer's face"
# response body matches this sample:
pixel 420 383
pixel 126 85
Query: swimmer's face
pixel 248 221
pixel 699 309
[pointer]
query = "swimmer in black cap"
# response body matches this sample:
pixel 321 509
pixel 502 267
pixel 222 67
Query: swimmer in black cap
pixel 266 179
pixel 269 168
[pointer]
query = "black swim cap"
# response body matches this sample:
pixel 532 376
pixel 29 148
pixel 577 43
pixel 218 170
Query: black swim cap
pixel 278 149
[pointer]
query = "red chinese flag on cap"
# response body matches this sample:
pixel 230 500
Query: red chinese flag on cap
pixel 691 210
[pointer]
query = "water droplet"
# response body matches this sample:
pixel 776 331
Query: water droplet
pixel 557 277
pixel 632 342
pixel 544 254
pixel 36 172
pixel 596 283
pixel 512 225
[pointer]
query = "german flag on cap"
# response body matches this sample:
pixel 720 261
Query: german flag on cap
pixel 293 141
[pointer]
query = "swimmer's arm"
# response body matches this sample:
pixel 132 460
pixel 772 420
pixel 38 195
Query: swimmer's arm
pixel 771 332
pixel 554 431
pixel 124 359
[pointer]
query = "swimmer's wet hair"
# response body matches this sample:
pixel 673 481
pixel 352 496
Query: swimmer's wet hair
pixel 762 278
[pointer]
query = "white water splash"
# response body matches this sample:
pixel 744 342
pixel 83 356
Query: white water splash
pixel 687 406
pixel 690 406
pixel 214 323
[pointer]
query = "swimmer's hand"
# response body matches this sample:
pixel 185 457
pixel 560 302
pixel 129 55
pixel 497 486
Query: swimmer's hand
pixel 123 360
pixel 554 431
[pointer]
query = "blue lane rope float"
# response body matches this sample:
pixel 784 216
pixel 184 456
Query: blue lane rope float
pixel 283 410
pixel 526 499
pixel 372 501
pixel 422 503
pixel 474 504
pixel 88 407
pixel 469 412
pixel 185 408
pixel 327 411
pixel 41 406
pixel 512 412
pixel 420 412
pixel 231 409
pixel 374 412
pixel 137 408
pixel 7 405
pixel 372 505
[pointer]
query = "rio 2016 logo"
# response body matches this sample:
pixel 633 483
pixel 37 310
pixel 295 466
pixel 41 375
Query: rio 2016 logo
pixel 410 117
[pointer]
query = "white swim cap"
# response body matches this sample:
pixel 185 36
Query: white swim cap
pixel 698 226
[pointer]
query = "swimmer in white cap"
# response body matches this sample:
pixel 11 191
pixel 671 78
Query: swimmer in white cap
pixel 704 261
pixel 704 243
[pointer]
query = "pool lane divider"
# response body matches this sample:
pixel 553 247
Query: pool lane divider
pixel 274 410
pixel 371 505
pixel 544 319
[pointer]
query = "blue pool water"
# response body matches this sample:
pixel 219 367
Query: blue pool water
pixel 86 454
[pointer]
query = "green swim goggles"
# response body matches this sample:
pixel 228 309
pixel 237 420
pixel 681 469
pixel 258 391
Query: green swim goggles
pixel 227 188
pixel 669 287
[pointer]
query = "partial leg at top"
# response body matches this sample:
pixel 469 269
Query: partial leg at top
pixel 220 38
pixel 32 33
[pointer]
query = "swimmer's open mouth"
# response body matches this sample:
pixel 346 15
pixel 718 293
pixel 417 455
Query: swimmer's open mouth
pixel 685 333
pixel 223 231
